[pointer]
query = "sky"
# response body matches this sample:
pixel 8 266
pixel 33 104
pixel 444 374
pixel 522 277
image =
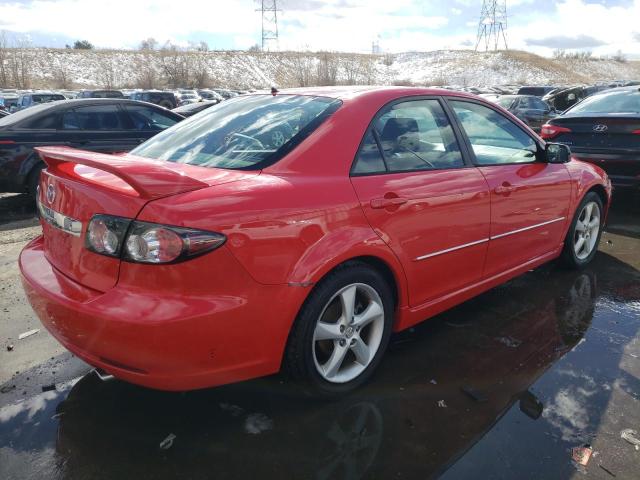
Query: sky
pixel 541 26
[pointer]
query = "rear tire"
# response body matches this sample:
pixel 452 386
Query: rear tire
pixel 583 237
pixel 342 330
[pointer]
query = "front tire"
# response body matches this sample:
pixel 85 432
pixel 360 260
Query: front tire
pixel 582 240
pixel 342 330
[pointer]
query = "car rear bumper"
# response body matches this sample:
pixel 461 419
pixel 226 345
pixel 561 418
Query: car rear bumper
pixel 164 340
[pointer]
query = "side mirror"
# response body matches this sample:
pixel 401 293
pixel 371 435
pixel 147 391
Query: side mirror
pixel 557 153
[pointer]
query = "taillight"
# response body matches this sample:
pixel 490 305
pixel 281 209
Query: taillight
pixel 145 242
pixel 549 131
pixel 105 234
pixel 636 132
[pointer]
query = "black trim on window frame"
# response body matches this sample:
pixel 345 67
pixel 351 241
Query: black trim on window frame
pixel 539 155
pixel 462 147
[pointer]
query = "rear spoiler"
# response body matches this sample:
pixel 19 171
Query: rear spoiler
pixel 149 178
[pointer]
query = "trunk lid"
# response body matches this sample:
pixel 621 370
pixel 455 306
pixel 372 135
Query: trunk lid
pixel 600 133
pixel 78 184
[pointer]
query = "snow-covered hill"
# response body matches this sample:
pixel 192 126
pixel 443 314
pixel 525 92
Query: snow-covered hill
pixel 51 68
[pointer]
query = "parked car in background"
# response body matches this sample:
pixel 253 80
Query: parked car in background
pixel 528 108
pixel 7 101
pixel 210 95
pixel 297 231
pixel 187 98
pixel 604 129
pixel 564 98
pixel 99 125
pixel 537 91
pixel 225 93
pixel 30 99
pixel 3 113
pixel 100 94
pixel 164 99
pixel 193 108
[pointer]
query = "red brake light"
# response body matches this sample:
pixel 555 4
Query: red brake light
pixel 6 142
pixel 636 132
pixel 549 131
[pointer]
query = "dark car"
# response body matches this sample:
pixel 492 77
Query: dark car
pixel 3 113
pixel 564 98
pixel 604 129
pixel 528 108
pixel 164 99
pixel 538 91
pixel 30 99
pixel 101 125
pixel 193 108
pixel 100 94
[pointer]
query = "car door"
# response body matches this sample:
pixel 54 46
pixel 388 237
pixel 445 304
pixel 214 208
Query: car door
pixel 99 127
pixel 148 121
pixel 422 198
pixel 529 197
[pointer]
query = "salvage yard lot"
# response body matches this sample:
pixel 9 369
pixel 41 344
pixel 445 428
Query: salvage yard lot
pixel 526 372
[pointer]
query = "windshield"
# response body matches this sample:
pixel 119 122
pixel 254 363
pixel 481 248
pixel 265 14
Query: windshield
pixel 242 133
pixel 627 101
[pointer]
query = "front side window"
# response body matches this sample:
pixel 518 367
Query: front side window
pixel 145 118
pixel 413 135
pixel 243 133
pixel 495 139
pixel 93 117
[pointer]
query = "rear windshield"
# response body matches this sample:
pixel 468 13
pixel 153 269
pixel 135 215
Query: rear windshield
pixel 627 101
pixel 243 133
pixel 505 101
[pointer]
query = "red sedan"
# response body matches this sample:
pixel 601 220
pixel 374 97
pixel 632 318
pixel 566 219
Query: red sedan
pixel 296 231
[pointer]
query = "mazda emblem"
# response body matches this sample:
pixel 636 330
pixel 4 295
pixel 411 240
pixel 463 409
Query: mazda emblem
pixel 600 128
pixel 51 193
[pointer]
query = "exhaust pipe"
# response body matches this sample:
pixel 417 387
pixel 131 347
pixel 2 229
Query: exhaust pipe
pixel 102 375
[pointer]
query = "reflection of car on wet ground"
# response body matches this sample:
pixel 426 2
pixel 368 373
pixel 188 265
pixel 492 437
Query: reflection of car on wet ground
pixel 604 129
pixel 528 108
pixel 447 197
pixel 392 428
pixel 100 125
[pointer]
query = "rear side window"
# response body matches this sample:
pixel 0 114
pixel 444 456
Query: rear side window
pixel 93 117
pixel 495 139
pixel 244 133
pixel 627 101
pixel 145 118
pixel 413 135
pixel 51 121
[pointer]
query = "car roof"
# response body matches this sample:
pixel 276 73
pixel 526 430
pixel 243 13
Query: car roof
pixel 346 93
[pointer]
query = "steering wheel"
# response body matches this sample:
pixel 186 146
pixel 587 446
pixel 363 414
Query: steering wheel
pixel 242 136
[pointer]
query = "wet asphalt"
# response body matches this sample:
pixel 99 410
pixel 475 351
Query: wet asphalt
pixel 502 386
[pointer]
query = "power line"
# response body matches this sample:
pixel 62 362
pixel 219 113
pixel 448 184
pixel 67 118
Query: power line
pixel 269 12
pixel 492 28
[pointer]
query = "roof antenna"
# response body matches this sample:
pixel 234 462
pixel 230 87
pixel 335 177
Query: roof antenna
pixel 274 91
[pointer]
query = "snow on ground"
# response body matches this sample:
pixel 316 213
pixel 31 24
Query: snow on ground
pixel 73 68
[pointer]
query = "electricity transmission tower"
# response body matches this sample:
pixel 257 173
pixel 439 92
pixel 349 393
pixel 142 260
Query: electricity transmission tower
pixel 269 12
pixel 492 28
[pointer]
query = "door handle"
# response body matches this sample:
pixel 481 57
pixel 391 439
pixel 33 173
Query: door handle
pixel 387 202
pixel 504 189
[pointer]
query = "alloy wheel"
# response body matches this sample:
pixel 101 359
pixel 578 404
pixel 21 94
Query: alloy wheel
pixel 586 231
pixel 348 333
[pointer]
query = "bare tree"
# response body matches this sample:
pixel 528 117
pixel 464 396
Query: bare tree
pixel 4 60
pixel 327 69
pixel 176 65
pixel 108 72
